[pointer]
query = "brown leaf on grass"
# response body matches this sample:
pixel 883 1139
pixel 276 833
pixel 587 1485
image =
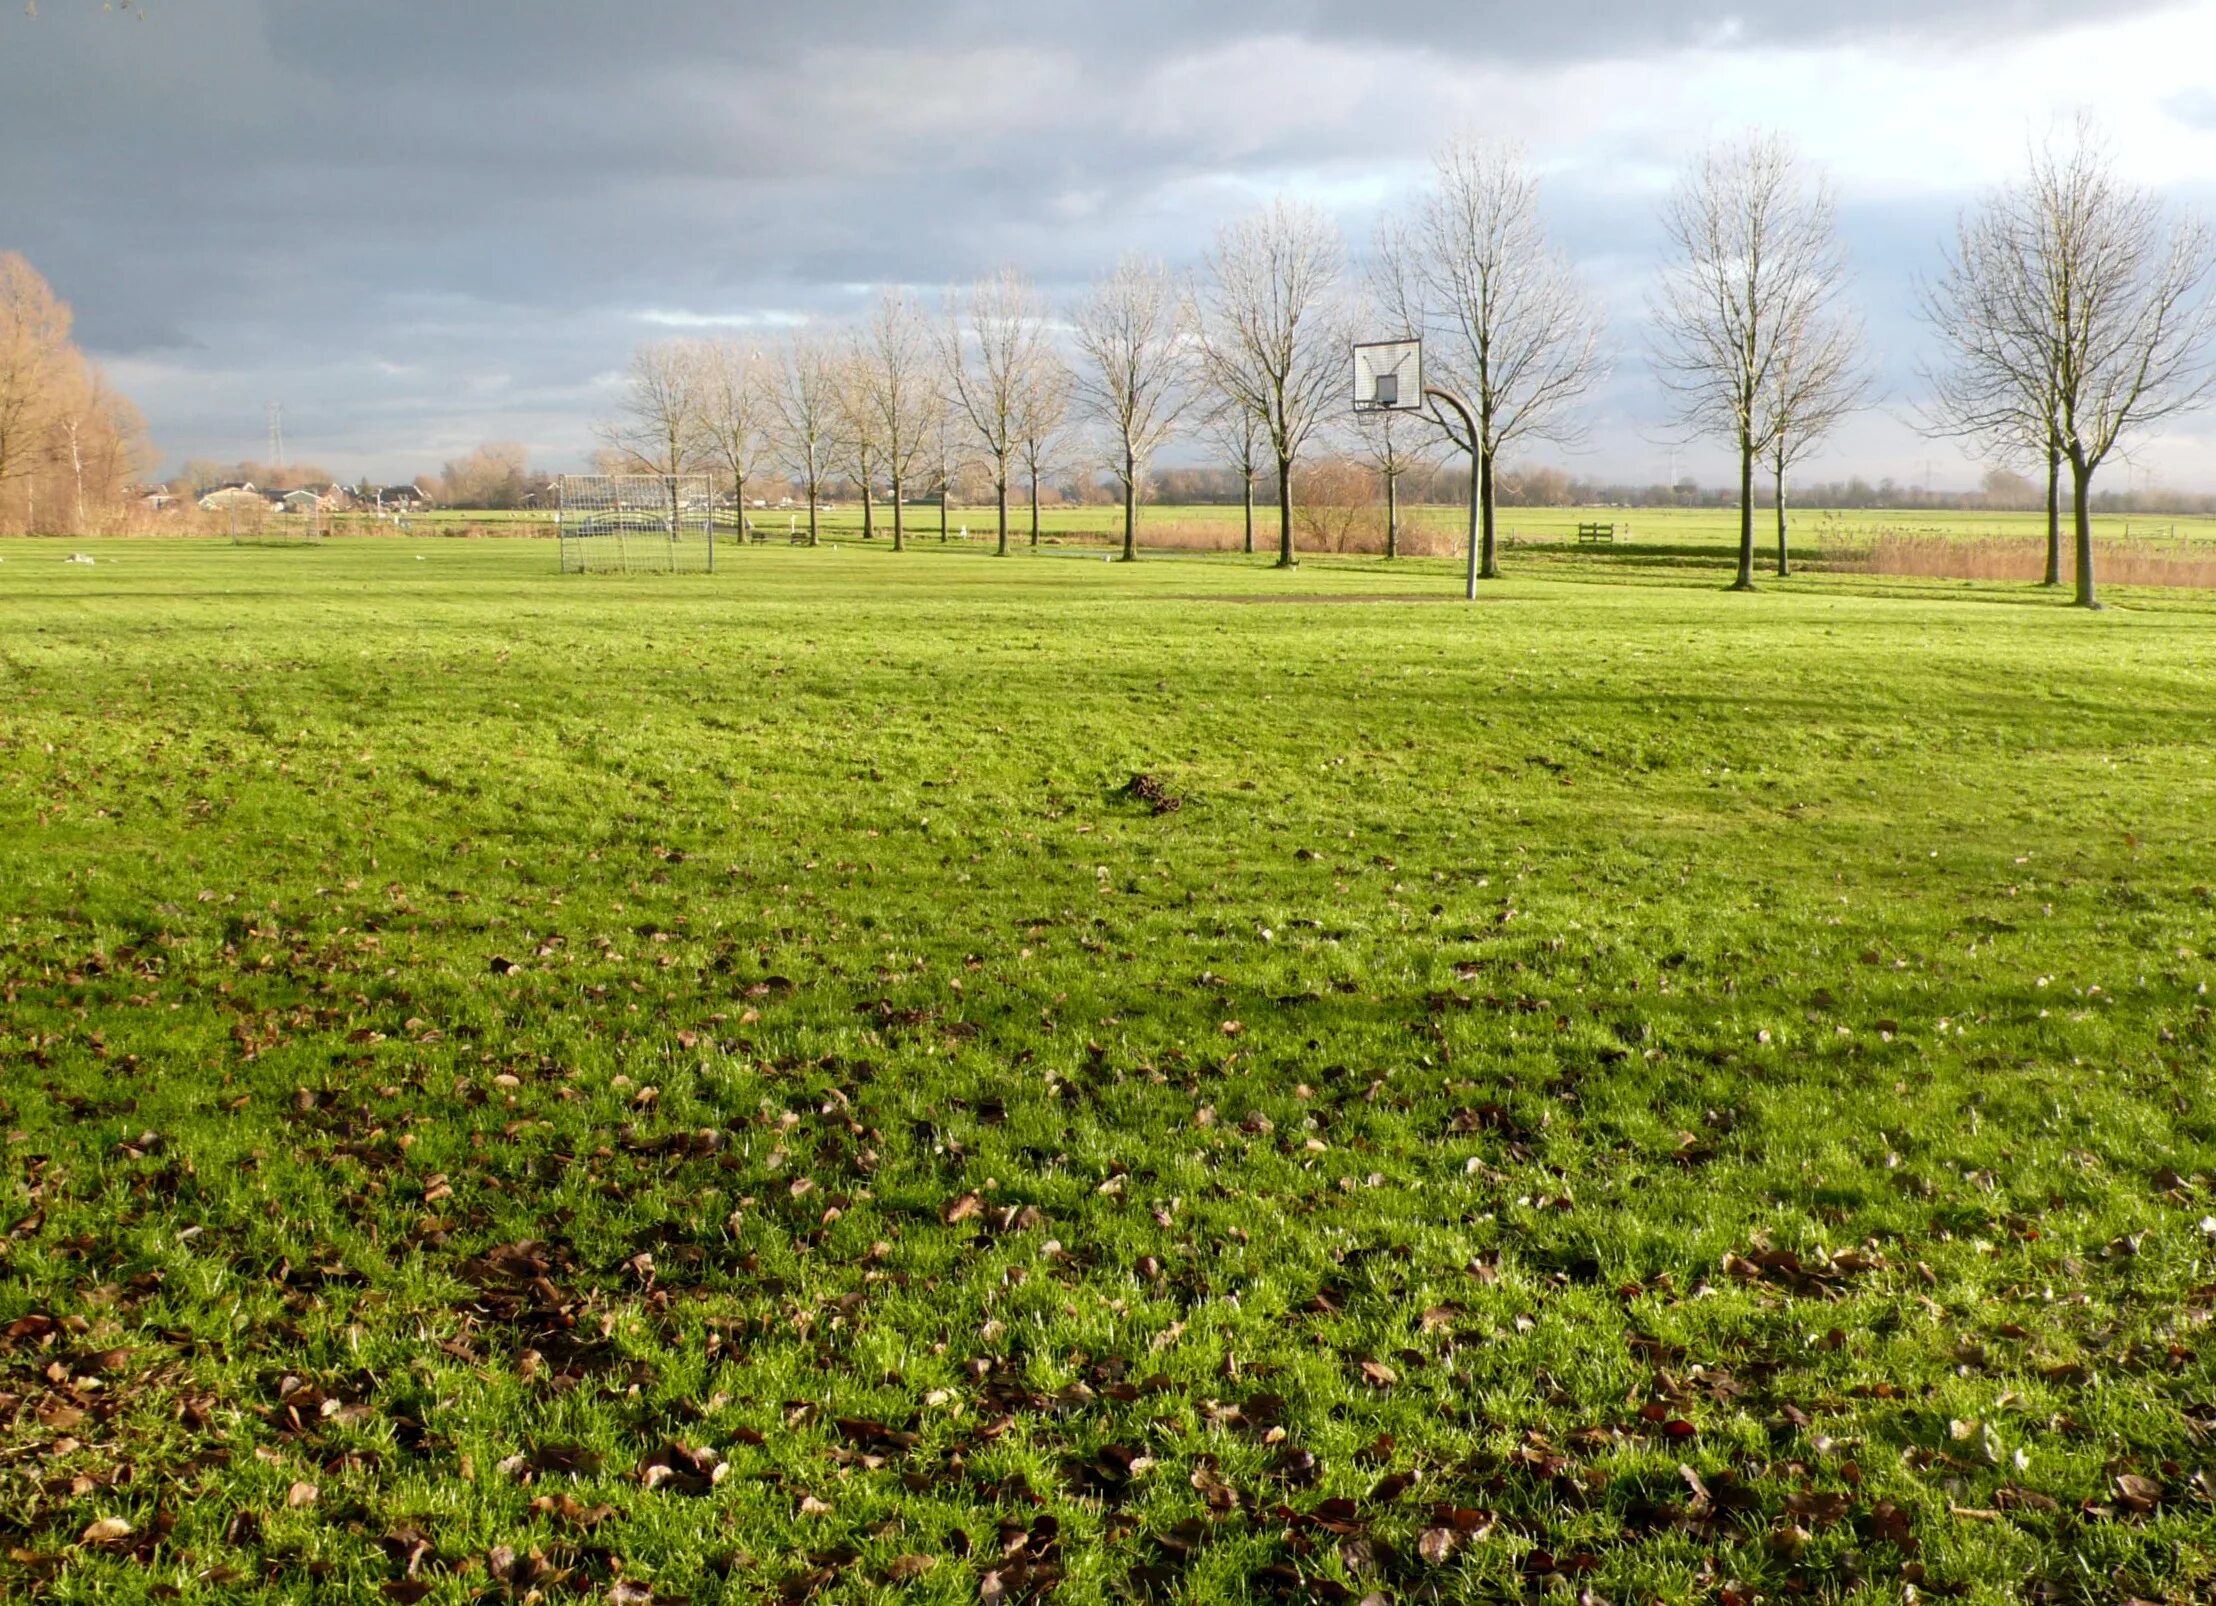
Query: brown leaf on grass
pixel 962 1209
pixel 105 1531
pixel 573 1459
pixel 681 1469
pixel 567 1509
pixel 2142 1495
pixel 522 1574
pixel 1378 1374
pixel 406 1590
pixel 302 1494
pixel 1890 1523
pixel 1435 1545
pixel 1819 1506
pixel 913 1565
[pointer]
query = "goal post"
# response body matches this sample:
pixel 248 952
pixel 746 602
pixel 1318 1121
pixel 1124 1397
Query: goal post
pixel 636 523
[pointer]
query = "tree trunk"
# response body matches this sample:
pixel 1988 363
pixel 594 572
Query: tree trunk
pixel 1489 568
pixel 1000 497
pixel 1477 538
pixel 944 487
pixel 1034 507
pixel 812 538
pixel 1285 557
pixel 1247 492
pixel 2054 517
pixel 1130 509
pixel 2081 491
pixel 1745 580
pixel 1784 563
pixel 869 514
pixel 900 525
pixel 1392 514
pixel 77 467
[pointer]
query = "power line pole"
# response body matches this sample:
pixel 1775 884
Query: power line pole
pixel 277 433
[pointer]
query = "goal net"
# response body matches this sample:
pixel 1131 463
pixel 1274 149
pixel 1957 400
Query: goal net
pixel 634 523
pixel 258 523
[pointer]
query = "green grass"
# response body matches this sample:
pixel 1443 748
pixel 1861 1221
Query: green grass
pixel 1640 531
pixel 1619 1087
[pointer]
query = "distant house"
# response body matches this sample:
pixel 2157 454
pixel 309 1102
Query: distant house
pixel 302 501
pixel 234 493
pixel 395 498
pixel 157 500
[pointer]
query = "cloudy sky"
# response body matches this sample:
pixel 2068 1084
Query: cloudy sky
pixel 420 225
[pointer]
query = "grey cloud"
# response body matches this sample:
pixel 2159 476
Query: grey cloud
pixel 372 210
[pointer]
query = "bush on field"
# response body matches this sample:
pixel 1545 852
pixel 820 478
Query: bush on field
pixel 2126 563
pixel 1337 507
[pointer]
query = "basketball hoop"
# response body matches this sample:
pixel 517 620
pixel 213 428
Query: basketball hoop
pixel 1388 376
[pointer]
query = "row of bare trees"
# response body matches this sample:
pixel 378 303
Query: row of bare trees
pixel 1250 351
pixel 71 446
pixel 2073 313
pixel 2073 310
pixel 898 403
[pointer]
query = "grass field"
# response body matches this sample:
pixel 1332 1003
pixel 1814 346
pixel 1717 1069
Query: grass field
pixel 718 1088
pixel 1648 530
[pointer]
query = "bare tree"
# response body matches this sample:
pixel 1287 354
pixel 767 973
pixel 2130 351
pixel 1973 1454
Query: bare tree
pixel 1754 258
pixel 1236 434
pixel 805 403
pixel 1821 377
pixel 995 349
pixel 736 411
pixel 1394 445
pixel 1505 321
pixel 1133 386
pixel 1270 321
pixel 901 393
pixel 1989 392
pixel 1042 423
pixel 492 475
pixel 2073 306
pixel 34 351
pixel 859 442
pixel 101 441
pixel 943 460
pixel 657 426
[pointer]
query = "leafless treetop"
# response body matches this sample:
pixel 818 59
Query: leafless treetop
pixel 1503 316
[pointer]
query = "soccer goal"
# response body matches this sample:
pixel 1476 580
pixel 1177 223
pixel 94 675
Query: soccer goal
pixel 636 523
pixel 259 523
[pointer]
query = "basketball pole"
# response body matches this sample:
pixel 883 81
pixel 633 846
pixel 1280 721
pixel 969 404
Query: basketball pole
pixel 1469 422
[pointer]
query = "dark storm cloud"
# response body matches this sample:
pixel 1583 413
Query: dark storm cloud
pixel 420 224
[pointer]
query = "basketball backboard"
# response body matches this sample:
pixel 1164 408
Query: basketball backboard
pixel 1388 376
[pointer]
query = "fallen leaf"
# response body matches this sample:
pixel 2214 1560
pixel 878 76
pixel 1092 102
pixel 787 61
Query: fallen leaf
pixel 962 1209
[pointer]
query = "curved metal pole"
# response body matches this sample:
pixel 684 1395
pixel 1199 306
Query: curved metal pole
pixel 1469 422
